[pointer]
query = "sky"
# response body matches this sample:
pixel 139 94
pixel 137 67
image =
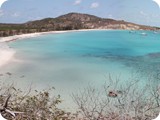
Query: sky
pixel 145 12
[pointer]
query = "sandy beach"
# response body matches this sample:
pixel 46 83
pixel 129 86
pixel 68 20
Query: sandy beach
pixel 16 37
pixel 7 53
pixel 29 35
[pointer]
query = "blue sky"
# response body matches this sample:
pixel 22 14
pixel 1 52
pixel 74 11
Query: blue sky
pixel 138 11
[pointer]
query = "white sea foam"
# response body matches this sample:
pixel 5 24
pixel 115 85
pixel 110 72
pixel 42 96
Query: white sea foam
pixel 6 54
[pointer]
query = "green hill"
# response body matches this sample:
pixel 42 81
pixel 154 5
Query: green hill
pixel 71 21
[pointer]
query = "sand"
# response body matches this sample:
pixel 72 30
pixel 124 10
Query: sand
pixel 5 56
pixel 6 53
pixel 16 37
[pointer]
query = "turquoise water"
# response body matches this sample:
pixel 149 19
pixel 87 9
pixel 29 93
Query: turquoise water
pixel 71 61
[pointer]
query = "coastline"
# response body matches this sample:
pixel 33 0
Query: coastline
pixel 30 35
pixel 6 53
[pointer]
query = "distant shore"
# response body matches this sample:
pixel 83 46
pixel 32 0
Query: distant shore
pixel 30 35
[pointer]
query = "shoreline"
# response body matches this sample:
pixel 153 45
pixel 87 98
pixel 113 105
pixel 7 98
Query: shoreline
pixel 36 34
pixel 30 35
pixel 6 53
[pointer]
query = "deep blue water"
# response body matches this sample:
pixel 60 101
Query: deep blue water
pixel 73 60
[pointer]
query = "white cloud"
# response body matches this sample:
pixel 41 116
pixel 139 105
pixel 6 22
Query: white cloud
pixel 143 13
pixel 1 2
pixel 77 2
pixel 15 14
pixel 157 2
pixel 1 13
pixel 110 16
pixel 95 5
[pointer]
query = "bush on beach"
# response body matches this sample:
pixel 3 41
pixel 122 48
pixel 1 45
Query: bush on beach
pixel 115 101
pixel 120 101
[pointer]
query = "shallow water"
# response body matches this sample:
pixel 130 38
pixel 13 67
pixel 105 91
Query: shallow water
pixel 71 61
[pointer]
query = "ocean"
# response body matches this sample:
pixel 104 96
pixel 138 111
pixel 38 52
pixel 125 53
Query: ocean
pixel 74 60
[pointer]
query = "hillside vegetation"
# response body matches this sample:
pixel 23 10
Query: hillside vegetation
pixel 71 21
